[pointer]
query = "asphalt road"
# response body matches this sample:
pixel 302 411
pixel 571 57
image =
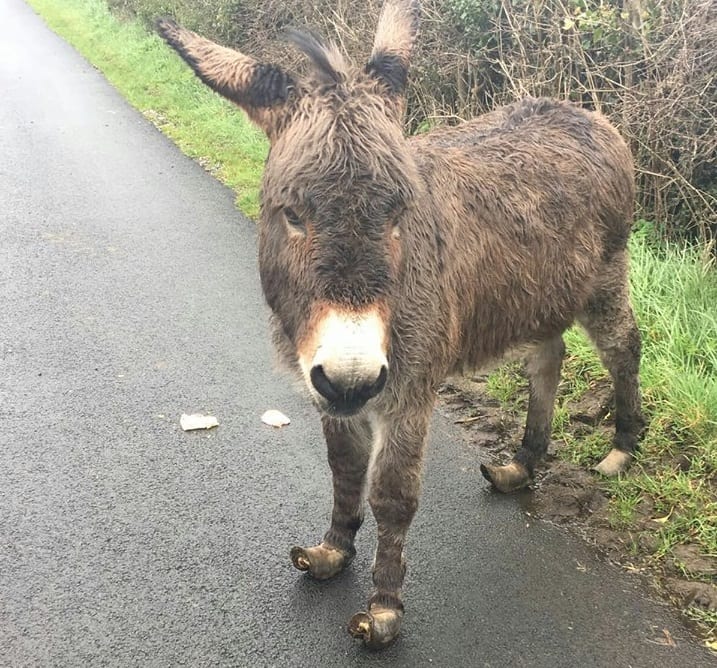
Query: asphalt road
pixel 129 294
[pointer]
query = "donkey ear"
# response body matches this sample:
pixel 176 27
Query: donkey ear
pixel 262 90
pixel 392 46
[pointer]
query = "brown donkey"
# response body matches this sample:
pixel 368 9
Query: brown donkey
pixel 390 262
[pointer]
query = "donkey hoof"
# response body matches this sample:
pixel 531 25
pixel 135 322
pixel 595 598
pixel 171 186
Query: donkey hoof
pixel 377 628
pixel 507 478
pixel 616 462
pixel 320 562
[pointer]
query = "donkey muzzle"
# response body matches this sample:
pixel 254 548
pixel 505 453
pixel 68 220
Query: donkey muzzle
pixel 347 393
pixel 347 365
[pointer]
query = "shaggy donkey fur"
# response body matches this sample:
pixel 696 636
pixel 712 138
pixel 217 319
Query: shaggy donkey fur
pixel 390 262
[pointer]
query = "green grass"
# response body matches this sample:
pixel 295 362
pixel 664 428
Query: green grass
pixel 674 291
pixel 507 386
pixel 675 298
pixel 154 80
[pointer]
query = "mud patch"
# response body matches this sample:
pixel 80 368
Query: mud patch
pixel 485 422
pixel 571 496
pixel 696 594
pixel 689 558
pixel 594 405
pixel 565 491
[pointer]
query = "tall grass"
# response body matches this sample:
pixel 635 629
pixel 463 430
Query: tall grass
pixel 675 296
pixel 674 293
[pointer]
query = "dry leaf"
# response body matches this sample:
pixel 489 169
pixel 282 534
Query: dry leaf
pixel 468 420
pixel 631 568
pixel 275 418
pixel 668 638
pixel 197 421
pixel 662 520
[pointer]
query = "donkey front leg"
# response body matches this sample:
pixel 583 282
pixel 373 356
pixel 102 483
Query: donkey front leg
pixel 395 483
pixel 543 369
pixel 349 448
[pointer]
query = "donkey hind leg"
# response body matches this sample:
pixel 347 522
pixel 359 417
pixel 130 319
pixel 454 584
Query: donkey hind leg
pixel 610 322
pixel 543 369
pixel 395 482
pixel 349 448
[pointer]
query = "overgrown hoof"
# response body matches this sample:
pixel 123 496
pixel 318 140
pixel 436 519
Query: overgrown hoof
pixel 377 628
pixel 321 562
pixel 509 478
pixel 616 462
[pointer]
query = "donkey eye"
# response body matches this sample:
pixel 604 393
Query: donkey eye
pixel 293 220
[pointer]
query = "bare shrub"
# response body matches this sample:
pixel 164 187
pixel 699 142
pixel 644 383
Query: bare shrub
pixel 650 65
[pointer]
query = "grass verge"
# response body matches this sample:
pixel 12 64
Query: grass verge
pixel 671 489
pixel 151 77
pixel 675 298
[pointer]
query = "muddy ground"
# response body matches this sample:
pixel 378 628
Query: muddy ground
pixel 572 496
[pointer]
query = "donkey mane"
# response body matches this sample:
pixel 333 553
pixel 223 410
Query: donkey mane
pixel 328 61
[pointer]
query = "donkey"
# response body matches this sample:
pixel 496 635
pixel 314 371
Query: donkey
pixel 391 262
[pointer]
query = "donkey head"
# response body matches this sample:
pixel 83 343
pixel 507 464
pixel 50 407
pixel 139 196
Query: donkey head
pixel 337 183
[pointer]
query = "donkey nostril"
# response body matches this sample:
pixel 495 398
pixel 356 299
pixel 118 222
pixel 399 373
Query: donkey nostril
pixel 379 383
pixel 323 385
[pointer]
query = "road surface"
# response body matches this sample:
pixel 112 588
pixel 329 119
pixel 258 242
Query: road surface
pixel 129 295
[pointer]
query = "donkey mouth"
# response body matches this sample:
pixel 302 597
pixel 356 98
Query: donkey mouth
pixel 344 406
pixel 341 410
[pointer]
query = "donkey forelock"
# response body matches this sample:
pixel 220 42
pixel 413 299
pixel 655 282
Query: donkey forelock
pixel 328 61
pixel 342 144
